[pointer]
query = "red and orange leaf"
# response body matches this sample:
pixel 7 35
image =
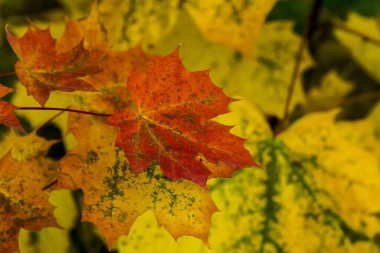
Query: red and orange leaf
pixel 115 66
pixel 7 116
pixel 169 122
pixel 114 196
pixel 89 29
pixel 42 68
pixel 24 173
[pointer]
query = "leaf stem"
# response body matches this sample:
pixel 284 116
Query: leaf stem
pixel 8 74
pixel 50 185
pixel 293 82
pixel 63 110
pixel 311 26
pixel 339 25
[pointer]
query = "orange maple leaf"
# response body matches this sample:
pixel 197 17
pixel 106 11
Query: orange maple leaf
pixel 89 29
pixel 115 66
pixel 114 196
pixel 7 116
pixel 24 173
pixel 42 68
pixel 170 123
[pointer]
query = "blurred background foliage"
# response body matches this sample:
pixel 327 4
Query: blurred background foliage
pixel 319 186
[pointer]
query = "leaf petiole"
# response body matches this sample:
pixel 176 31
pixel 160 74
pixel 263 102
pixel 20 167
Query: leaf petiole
pixel 8 74
pixel 63 110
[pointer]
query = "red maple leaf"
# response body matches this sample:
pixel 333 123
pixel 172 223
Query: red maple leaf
pixel 170 123
pixel 7 116
pixel 42 68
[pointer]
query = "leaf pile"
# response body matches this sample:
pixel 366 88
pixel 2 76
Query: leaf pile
pixel 160 148
pixel 163 115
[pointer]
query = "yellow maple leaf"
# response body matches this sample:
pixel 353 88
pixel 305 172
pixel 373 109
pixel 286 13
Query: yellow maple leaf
pixel 236 24
pixel 365 52
pixel 349 168
pixel 114 196
pixel 131 23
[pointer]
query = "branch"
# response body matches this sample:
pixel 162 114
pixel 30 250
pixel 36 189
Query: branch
pixel 7 74
pixel 311 25
pixel 50 185
pixel 63 110
pixel 339 25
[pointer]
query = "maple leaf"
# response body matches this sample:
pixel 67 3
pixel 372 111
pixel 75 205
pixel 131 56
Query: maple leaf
pixel 133 23
pixel 169 122
pixel 310 187
pixel 42 68
pixel 114 196
pixel 115 66
pixel 236 24
pixel 274 60
pixel 24 173
pixel 7 116
pixel 88 29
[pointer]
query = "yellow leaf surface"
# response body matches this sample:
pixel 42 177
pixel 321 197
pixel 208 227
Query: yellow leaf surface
pixel 329 94
pixel 349 168
pixel 236 24
pixel 131 23
pixel 365 52
pixel 375 118
pixel 48 240
pixel 148 236
pixel 321 187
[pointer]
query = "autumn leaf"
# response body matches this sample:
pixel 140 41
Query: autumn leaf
pixel 7 116
pixel 115 66
pixel 42 68
pixel 169 122
pixel 114 196
pixel 312 187
pixel 156 238
pixel 236 24
pixel 134 23
pixel 88 29
pixel 268 74
pixel 24 174
pixel 364 51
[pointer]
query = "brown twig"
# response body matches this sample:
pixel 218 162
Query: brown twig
pixel 63 110
pixel 311 25
pixel 7 74
pixel 50 185
pixel 339 25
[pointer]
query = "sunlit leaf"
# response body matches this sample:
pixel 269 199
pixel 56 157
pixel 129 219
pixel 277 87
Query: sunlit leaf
pixel 114 196
pixel 169 122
